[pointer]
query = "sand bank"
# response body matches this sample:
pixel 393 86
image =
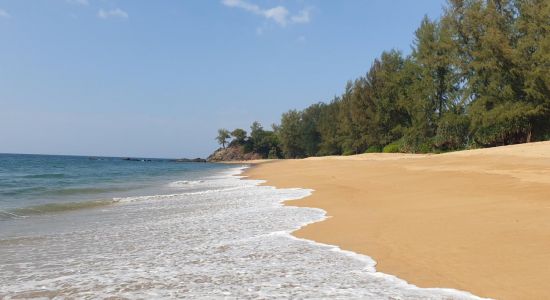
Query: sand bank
pixel 474 220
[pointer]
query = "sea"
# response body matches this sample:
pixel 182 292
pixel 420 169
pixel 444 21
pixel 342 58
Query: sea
pixel 74 227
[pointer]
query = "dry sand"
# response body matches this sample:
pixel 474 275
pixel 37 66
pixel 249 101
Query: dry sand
pixel 474 220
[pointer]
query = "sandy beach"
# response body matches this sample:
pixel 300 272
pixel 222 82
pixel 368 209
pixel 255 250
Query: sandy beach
pixel 475 220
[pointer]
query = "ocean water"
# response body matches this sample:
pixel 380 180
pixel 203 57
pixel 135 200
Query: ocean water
pixel 169 230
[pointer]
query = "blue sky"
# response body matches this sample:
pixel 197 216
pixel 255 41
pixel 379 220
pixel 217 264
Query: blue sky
pixel 158 78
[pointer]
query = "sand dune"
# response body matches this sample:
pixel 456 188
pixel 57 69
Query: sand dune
pixel 475 220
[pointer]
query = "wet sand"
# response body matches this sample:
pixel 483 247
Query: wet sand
pixel 475 220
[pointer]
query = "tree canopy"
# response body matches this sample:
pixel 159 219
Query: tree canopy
pixel 479 76
pixel 223 136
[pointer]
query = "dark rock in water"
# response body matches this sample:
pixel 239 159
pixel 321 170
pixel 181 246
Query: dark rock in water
pixel 136 159
pixel 200 160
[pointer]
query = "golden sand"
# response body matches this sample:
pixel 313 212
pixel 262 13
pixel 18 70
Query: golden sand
pixel 475 220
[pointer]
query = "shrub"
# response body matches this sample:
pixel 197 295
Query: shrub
pixel 502 133
pixel 273 153
pixel 452 132
pixel 425 147
pixel 374 149
pixel 394 147
pixel 416 144
pixel 349 152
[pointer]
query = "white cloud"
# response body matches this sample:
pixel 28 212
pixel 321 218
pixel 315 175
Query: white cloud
pixel 242 4
pixel 302 17
pixel 4 14
pixel 78 2
pixel 113 13
pixel 278 14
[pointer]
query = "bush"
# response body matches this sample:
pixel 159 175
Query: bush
pixel 394 147
pixel 506 123
pixel 273 153
pixel 426 147
pixel 452 132
pixel 416 144
pixel 349 152
pixel 248 146
pixel 374 149
pixel 502 133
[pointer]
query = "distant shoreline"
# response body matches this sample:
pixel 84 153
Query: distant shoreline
pixel 471 220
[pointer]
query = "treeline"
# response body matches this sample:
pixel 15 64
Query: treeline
pixel 263 142
pixel 477 77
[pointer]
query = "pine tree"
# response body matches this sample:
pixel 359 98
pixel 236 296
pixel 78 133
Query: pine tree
pixel 290 134
pixel 533 58
pixel 328 129
pixel 387 114
pixel 493 86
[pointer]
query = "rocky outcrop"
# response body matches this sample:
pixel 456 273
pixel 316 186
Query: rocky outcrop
pixel 232 153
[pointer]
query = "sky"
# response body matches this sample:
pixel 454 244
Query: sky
pixel 158 78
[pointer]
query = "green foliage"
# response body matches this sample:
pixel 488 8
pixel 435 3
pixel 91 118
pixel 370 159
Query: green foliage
pixel 311 137
pixel 349 152
pixel 394 147
pixel 261 141
pixel 425 147
pixel 274 153
pixel 477 77
pixel 388 115
pixel 256 131
pixel 452 132
pixel 290 134
pixel 503 48
pixel 223 136
pixel 327 126
pixel 374 149
pixel 506 124
pixel 412 143
pixel 239 136
pixel 248 146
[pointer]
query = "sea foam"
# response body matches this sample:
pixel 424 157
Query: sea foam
pixel 225 237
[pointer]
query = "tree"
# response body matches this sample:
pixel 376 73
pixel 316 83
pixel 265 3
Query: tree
pixel 356 117
pixel 452 131
pixel 419 126
pixel 387 115
pixel 239 135
pixel 533 58
pixel 434 52
pixel 493 83
pixel 328 129
pixel 310 136
pixel 429 85
pixel 262 141
pixel 223 135
pixel 256 131
pixel 347 129
pixel 478 76
pixel 290 134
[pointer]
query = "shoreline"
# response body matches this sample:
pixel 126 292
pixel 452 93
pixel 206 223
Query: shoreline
pixel 370 263
pixel 473 221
